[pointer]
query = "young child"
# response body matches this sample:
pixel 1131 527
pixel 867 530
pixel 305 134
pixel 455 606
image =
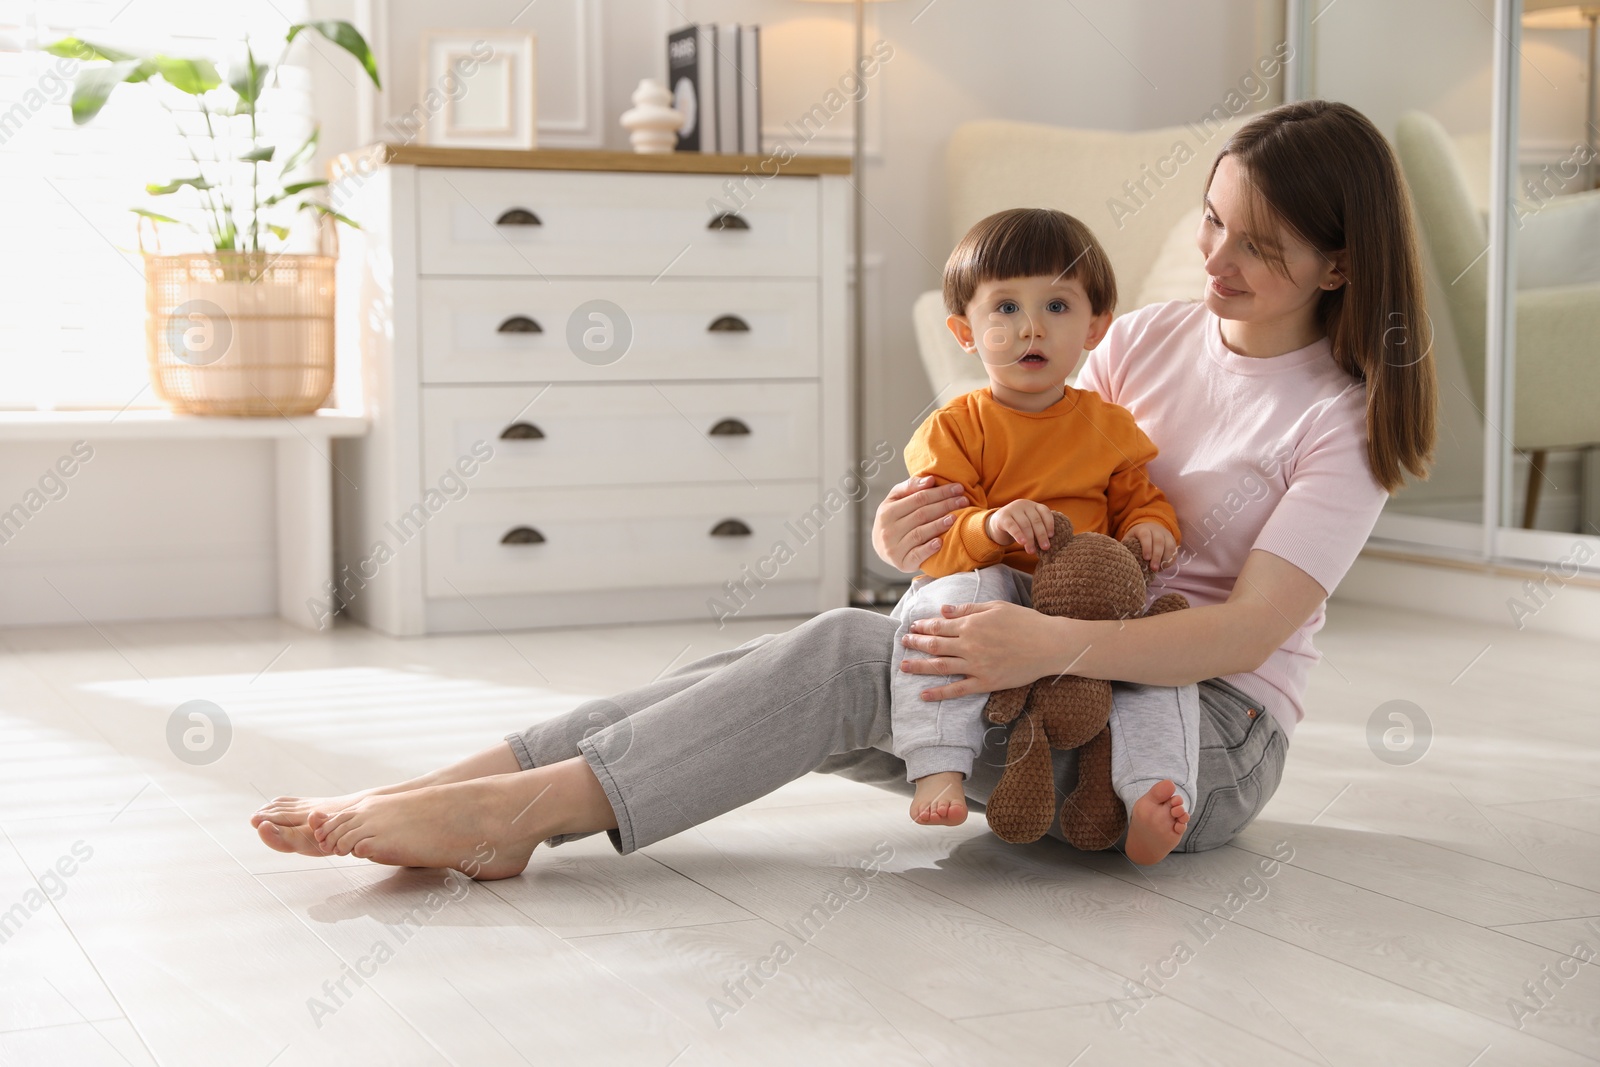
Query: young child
pixel 1028 291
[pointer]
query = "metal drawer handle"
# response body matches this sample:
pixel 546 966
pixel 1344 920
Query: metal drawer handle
pixel 730 428
pixel 522 535
pixel 521 431
pixel 518 216
pixel 519 324
pixel 727 220
pixel 729 324
pixel 730 528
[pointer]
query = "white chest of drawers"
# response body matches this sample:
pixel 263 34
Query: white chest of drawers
pixel 603 388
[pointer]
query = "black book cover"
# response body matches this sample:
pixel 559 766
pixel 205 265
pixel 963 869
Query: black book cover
pixel 689 96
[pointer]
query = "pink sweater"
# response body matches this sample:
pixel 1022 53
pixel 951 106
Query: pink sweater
pixel 1263 454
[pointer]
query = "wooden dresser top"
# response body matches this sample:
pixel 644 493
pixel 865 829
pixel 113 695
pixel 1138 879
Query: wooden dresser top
pixel 588 159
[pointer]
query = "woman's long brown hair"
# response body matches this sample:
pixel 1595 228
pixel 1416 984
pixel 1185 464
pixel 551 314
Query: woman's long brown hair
pixel 1323 171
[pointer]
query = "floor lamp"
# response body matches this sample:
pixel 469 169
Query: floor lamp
pixel 858 323
pixel 1565 15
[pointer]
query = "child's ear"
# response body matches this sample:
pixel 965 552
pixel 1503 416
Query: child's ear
pixel 961 326
pixel 1098 327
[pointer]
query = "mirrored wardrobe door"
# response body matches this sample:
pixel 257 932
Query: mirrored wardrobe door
pixel 1551 507
pixel 1422 71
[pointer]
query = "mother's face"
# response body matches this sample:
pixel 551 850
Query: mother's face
pixel 1243 283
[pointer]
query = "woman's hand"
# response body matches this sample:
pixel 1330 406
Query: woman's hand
pixel 995 645
pixel 911 518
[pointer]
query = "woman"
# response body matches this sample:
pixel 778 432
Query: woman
pixel 1285 406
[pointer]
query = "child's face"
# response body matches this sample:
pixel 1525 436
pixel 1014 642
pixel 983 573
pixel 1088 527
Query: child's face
pixel 1029 332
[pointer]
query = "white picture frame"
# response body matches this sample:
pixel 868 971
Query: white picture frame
pixel 486 84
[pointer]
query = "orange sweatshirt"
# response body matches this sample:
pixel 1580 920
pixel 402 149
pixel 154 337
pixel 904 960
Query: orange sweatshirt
pixel 1081 456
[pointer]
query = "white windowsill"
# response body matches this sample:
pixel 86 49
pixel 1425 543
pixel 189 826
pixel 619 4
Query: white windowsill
pixel 144 424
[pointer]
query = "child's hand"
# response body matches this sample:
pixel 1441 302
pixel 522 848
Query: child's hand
pixel 1022 522
pixel 1157 544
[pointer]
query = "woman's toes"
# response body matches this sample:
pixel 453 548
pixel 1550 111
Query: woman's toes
pixel 272 837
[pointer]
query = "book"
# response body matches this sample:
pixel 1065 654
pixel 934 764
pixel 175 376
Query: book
pixel 729 85
pixel 691 72
pixel 750 90
pixel 714 72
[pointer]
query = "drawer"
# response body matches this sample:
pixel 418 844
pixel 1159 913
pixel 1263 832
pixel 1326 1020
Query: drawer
pixel 584 434
pixel 523 330
pixel 567 540
pixel 544 223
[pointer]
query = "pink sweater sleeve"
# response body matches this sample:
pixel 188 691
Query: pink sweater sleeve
pixel 1332 501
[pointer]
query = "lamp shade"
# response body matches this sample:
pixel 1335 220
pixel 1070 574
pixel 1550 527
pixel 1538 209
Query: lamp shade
pixel 1559 14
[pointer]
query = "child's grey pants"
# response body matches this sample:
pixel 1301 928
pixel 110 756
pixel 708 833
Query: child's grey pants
pixel 715 734
pixel 944 735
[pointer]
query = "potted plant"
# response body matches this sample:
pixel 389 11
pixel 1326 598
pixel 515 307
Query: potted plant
pixel 240 327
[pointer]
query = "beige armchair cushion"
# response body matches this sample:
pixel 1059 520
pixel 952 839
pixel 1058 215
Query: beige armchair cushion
pixel 1131 189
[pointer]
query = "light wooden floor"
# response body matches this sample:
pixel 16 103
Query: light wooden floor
pixel 1414 904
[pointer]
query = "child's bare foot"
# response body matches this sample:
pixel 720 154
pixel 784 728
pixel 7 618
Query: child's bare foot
pixel 939 800
pixel 1156 824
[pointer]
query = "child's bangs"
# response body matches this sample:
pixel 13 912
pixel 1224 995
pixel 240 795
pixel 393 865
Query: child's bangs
pixel 1024 249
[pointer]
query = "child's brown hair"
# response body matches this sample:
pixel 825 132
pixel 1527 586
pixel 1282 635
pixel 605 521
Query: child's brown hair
pixel 1026 242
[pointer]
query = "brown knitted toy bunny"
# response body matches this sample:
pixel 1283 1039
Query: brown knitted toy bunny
pixel 1082 576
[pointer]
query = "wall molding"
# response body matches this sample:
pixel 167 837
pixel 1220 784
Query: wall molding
pixel 584 129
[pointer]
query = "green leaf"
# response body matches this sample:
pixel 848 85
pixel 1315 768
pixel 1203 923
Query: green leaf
pixel 158 217
pixel 303 153
pixel 280 232
pixel 247 80
pixel 258 155
pixel 94 84
pixel 176 184
pixel 345 36
pixel 324 209
pixel 73 48
pixel 291 190
pixel 192 76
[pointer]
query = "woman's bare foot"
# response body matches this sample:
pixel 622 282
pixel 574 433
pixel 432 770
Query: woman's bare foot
pixel 486 828
pixel 289 838
pixel 294 811
pixel 939 800
pixel 283 822
pixel 1156 824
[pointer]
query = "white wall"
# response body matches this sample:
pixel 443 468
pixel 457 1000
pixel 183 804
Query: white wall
pixel 1098 63
pixel 123 542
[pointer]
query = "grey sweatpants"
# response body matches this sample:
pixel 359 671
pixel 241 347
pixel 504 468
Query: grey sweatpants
pixel 1148 741
pixel 717 733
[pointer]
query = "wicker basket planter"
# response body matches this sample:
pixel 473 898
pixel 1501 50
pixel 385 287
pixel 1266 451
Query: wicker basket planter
pixel 240 333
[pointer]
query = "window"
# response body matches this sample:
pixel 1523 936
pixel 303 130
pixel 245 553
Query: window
pixel 71 276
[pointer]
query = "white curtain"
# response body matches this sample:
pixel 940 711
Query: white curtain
pixel 71 277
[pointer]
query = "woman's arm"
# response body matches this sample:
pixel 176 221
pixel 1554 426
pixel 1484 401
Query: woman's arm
pixel 998 646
